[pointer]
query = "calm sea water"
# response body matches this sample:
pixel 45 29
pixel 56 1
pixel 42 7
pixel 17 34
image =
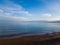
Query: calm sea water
pixel 31 28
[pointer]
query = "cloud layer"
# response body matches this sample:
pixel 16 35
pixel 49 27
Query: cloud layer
pixel 14 11
pixel 46 10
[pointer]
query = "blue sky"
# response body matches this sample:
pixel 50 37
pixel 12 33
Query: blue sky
pixel 28 10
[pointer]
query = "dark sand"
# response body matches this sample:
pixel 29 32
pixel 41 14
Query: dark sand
pixel 46 39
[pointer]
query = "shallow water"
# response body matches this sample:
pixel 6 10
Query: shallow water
pixel 30 28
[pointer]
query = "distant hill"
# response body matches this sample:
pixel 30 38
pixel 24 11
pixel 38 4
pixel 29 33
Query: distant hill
pixel 57 21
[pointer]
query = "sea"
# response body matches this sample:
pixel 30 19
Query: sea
pixel 27 28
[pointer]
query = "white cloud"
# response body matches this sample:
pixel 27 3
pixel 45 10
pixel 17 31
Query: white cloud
pixel 54 18
pixel 47 15
pixel 12 10
pixel 50 18
pixel 25 12
pixel 19 18
pixel 1 11
pixel 51 10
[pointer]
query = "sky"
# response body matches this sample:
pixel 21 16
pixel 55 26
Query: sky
pixel 30 10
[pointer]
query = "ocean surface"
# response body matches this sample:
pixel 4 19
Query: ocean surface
pixel 27 28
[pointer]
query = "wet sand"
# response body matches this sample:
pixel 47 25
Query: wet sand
pixel 46 39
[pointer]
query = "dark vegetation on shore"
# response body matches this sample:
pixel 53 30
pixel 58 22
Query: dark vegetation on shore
pixel 46 39
pixel 31 42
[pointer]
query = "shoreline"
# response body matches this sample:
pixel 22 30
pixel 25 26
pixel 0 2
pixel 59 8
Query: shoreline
pixel 28 34
pixel 26 39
